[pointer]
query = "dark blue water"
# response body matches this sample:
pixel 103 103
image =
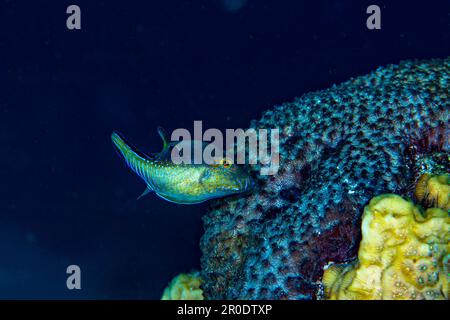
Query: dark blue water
pixel 67 198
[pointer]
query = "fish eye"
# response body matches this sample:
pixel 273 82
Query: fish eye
pixel 226 163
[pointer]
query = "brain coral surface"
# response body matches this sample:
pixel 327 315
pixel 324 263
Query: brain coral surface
pixel 338 148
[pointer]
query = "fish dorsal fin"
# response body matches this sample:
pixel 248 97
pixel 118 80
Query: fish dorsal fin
pixel 176 148
pixel 163 134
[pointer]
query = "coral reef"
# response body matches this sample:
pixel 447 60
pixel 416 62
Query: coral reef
pixel 338 148
pixel 434 191
pixel 403 255
pixel 184 287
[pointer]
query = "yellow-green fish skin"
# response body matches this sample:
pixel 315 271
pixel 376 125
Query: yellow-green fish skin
pixel 184 183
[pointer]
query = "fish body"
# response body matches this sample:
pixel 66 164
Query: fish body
pixel 182 183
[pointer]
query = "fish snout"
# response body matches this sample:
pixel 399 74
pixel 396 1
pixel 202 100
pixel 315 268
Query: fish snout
pixel 248 184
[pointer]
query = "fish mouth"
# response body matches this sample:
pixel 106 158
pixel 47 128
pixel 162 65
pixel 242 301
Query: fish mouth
pixel 238 185
pixel 248 184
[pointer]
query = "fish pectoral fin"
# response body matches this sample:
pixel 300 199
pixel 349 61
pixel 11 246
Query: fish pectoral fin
pixel 146 192
pixel 204 176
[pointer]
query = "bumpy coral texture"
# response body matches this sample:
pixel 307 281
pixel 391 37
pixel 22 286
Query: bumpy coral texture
pixel 404 254
pixel 184 287
pixel 338 148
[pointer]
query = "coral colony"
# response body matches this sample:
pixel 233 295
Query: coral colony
pixel 340 147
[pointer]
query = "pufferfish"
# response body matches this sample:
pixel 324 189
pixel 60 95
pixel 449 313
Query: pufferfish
pixel 183 183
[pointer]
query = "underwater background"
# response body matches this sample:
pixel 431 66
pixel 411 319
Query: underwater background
pixel 67 198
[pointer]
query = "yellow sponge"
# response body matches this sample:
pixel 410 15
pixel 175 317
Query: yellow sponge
pixel 184 287
pixel 404 254
pixel 434 191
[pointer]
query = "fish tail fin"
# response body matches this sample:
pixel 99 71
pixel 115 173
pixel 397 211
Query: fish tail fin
pixel 136 161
